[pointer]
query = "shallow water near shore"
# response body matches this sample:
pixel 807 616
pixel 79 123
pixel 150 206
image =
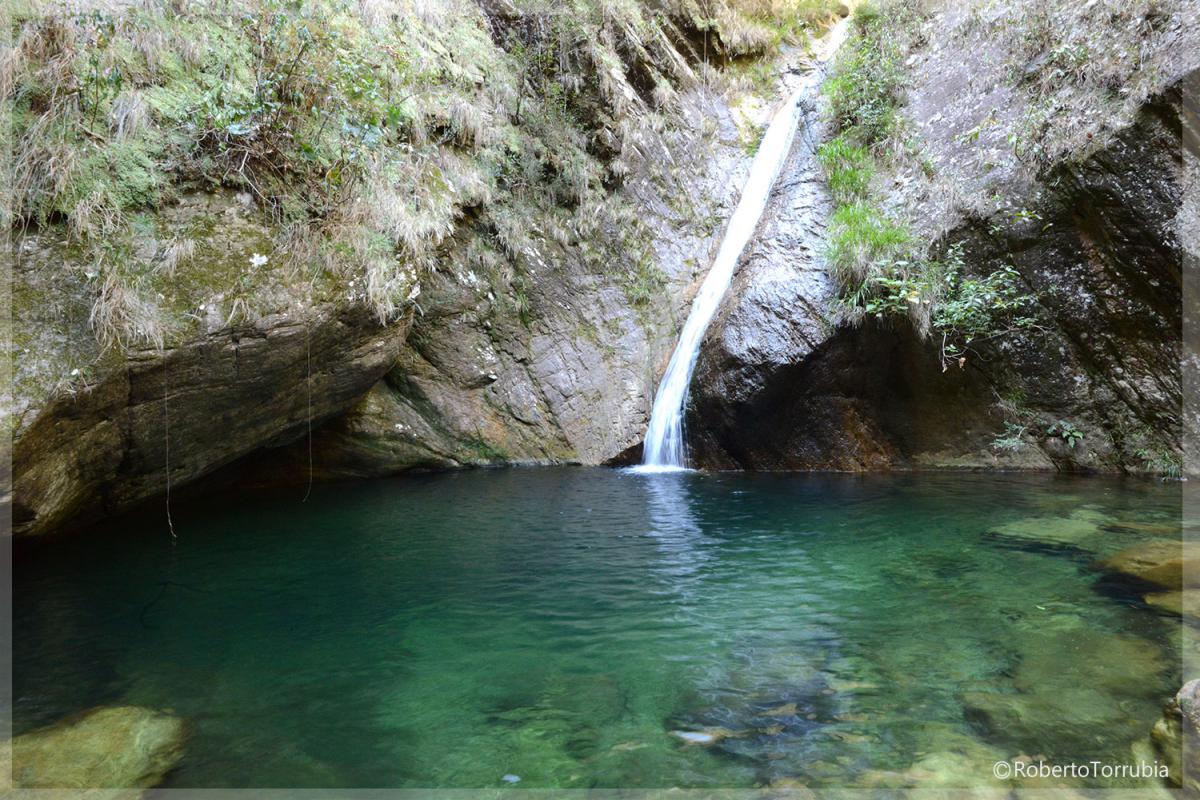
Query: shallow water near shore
pixel 585 627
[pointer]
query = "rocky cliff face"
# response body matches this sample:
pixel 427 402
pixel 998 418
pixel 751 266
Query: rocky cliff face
pixel 98 430
pixel 466 378
pixel 161 343
pixel 1092 232
pixel 567 378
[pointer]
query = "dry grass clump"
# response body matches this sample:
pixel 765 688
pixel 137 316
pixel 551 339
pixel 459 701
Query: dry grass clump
pixel 178 251
pixel 122 317
pixel 739 28
pixel 129 115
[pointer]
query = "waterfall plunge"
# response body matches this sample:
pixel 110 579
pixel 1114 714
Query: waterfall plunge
pixel 664 448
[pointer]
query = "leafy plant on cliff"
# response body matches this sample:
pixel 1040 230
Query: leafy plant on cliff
pixel 1161 462
pixel 1012 439
pixel 1019 421
pixel 974 310
pixel 1066 431
pixel 881 268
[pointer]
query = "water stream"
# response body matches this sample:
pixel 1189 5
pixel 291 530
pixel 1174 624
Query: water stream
pixel 664 448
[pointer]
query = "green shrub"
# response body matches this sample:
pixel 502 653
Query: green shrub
pixel 937 296
pixel 864 244
pixel 971 307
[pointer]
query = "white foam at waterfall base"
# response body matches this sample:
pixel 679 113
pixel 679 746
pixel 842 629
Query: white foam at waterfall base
pixel 664 449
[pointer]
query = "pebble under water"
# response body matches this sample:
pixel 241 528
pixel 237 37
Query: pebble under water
pixel 586 627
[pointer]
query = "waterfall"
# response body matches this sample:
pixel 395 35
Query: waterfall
pixel 664 447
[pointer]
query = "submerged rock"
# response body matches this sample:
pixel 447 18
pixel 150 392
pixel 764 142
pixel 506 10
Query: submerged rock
pixel 789 788
pixel 1078 529
pixel 125 747
pixel 769 718
pixel 957 761
pixel 706 737
pixel 1176 737
pixel 1165 573
pixel 1162 529
pixel 1069 686
pixel 1167 564
pixel 970 775
pixel 1173 603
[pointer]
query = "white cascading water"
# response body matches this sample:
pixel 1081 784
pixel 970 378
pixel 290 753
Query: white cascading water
pixel 664 448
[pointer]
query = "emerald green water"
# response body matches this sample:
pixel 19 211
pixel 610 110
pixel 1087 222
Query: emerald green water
pixel 557 625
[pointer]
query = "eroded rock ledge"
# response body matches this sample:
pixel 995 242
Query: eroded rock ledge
pixel 205 404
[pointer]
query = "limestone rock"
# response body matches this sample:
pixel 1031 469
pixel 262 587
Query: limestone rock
pixel 548 353
pixel 125 747
pixel 965 765
pixel 1069 683
pixel 1171 602
pixel 1078 529
pixel 569 381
